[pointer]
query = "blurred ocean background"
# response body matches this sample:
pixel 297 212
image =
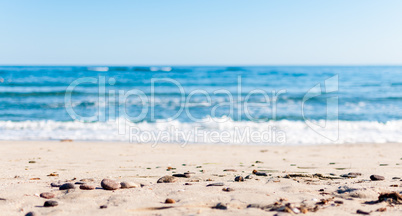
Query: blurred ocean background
pixel 32 101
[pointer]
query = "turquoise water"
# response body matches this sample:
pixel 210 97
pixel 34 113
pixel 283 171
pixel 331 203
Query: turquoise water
pixel 32 99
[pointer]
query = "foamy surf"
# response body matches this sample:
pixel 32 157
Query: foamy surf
pixel 210 131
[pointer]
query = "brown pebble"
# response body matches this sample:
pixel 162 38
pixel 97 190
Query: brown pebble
pixel 87 187
pixel 50 203
pixel 377 178
pixel 381 210
pixel 216 184
pixel 109 184
pixel 255 172
pixel 239 178
pixel 47 195
pixel 170 201
pixel 167 179
pixel 103 206
pixel 53 174
pixel 188 183
pixel 227 189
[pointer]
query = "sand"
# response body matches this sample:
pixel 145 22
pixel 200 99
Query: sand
pixel 142 164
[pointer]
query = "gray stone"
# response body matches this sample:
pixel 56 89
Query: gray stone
pixel 109 184
pixel 50 203
pixel 67 186
pixel 167 179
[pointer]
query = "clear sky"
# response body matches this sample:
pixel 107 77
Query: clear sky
pixel 203 32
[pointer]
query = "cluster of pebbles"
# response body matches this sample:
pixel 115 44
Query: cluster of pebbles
pixel 281 206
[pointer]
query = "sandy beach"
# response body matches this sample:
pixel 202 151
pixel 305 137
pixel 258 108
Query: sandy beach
pixel 289 179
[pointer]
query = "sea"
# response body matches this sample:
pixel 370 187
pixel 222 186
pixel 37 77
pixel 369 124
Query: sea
pixel 250 105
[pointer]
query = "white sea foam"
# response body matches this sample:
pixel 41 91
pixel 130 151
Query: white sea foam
pixel 295 132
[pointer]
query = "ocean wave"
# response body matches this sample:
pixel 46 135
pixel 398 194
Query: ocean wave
pixel 237 132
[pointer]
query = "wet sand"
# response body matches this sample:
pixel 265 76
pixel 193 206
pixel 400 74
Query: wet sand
pixel 306 179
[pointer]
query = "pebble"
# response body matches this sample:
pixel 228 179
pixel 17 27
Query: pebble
pixel 167 179
pixel 227 189
pixel 170 201
pixel 50 203
pixel 362 212
pixel 185 175
pixel 377 178
pixel 239 178
pixel 220 206
pixel 54 184
pixel 216 184
pixel 259 173
pixel 109 184
pixel 355 173
pixel 87 187
pixel 67 186
pixel 103 206
pixel 31 214
pixel 188 183
pixel 79 183
pixel 129 185
pixel 396 178
pixel 47 195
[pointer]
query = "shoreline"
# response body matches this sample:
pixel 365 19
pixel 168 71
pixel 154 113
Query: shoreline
pixel 27 167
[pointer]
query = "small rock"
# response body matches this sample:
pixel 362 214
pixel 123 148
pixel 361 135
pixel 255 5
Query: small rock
pixel 187 183
pixel 249 177
pixel 87 187
pixel 47 195
pixel 216 184
pixel 185 175
pixel 220 206
pixel 79 183
pixel 31 161
pixel 355 173
pixel 362 212
pixel 170 201
pixel 109 184
pixel 239 178
pixel 167 179
pixel 348 176
pixel 227 189
pixel 54 184
pixel 31 214
pixel 381 210
pixel 67 186
pixel 255 172
pixel 377 178
pixel 229 170
pixel 129 185
pixel 50 203
pixel 103 206
pixel 396 178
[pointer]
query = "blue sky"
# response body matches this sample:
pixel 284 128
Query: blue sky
pixel 207 32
